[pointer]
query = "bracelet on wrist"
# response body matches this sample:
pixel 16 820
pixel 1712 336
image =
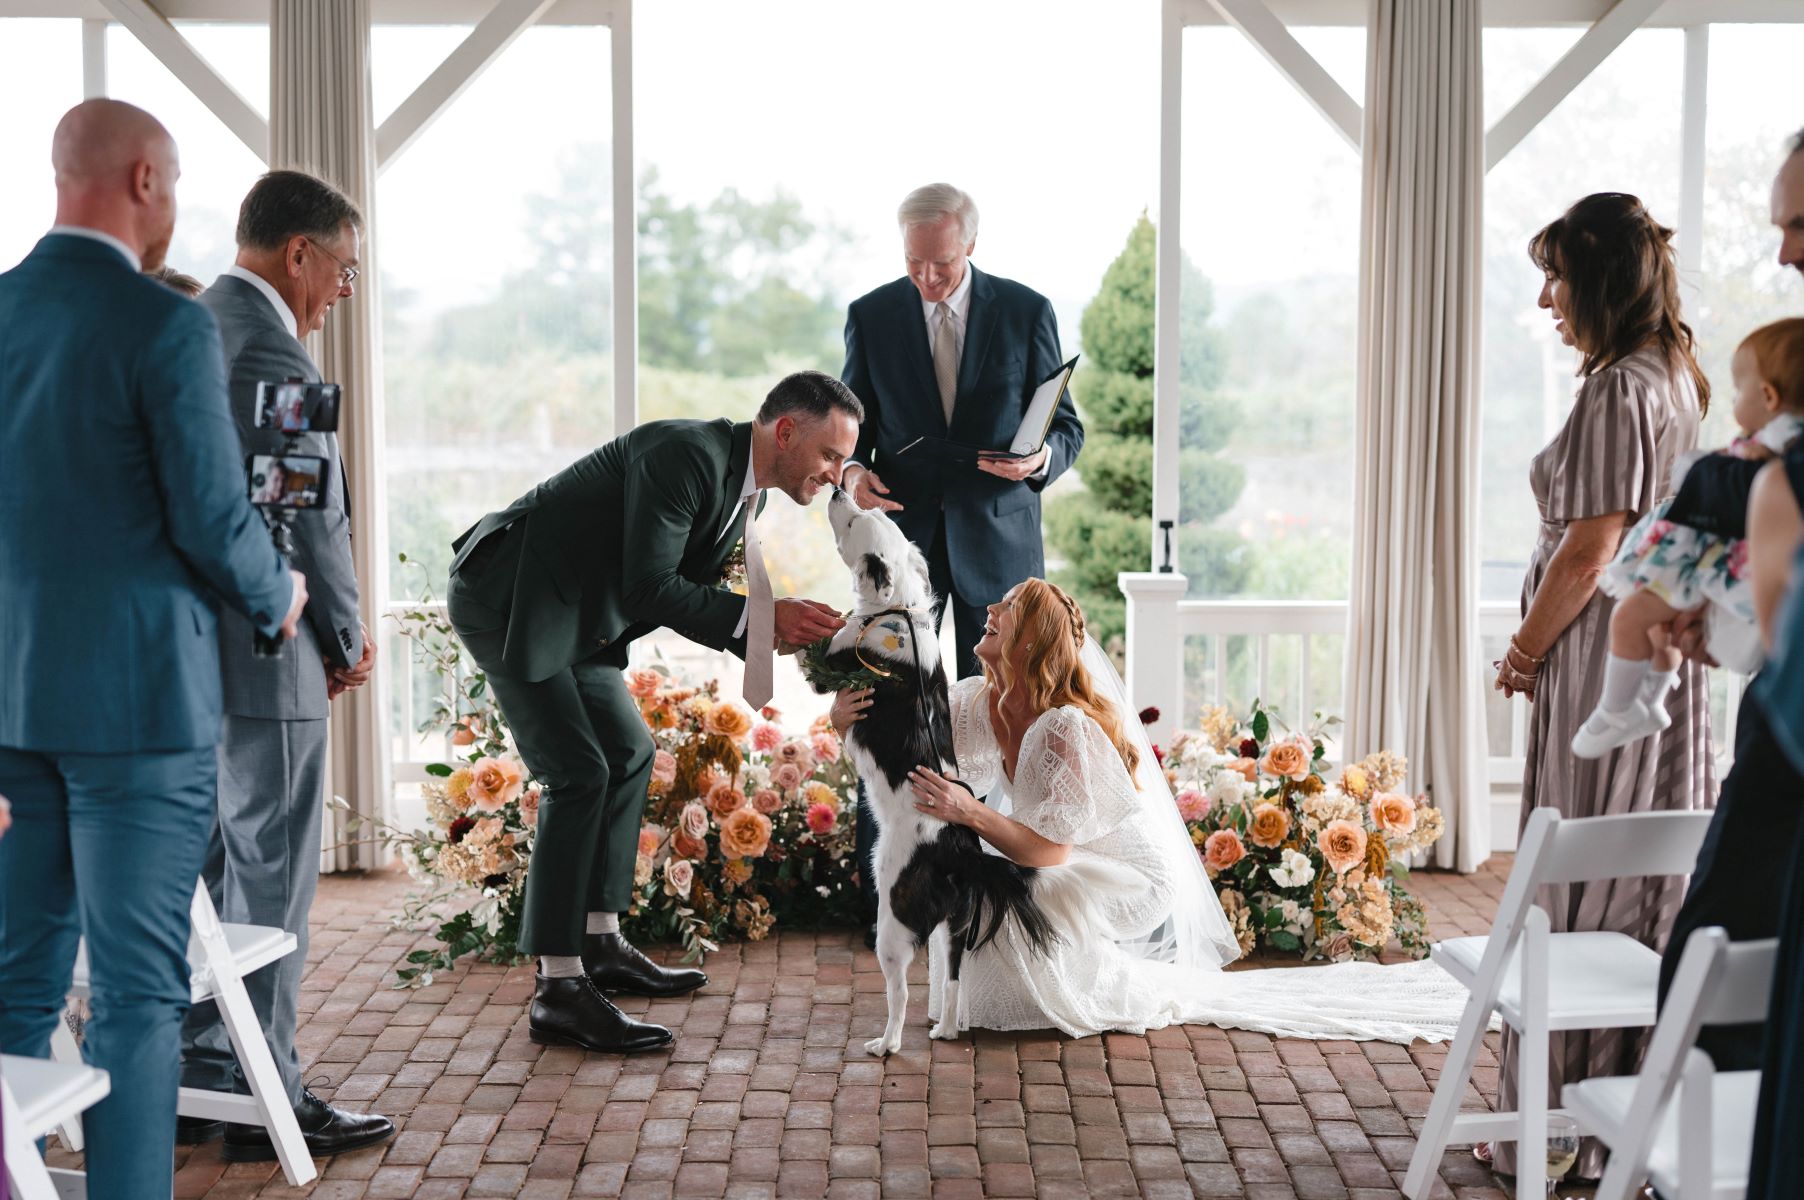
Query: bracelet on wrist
pixel 1516 648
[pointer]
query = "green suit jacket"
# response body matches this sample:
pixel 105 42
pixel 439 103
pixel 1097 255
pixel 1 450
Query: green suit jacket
pixel 623 541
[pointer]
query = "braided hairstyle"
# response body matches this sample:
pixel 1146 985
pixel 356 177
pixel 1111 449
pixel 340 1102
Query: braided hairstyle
pixel 1040 662
pixel 1622 284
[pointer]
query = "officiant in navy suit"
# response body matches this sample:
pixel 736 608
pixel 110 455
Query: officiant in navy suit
pixel 951 352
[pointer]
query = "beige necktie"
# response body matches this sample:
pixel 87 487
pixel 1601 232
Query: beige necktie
pixel 945 361
pixel 760 616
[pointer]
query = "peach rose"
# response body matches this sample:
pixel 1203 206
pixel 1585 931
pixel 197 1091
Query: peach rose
pixel 684 846
pixel 745 834
pixel 642 683
pixel 694 821
pixel 679 876
pixel 663 768
pixel 795 752
pixel 1343 846
pixel 821 819
pixel 1246 767
pixel 766 737
pixel 1222 850
pixel 487 830
pixel 825 746
pixel 529 806
pixel 1192 805
pixel 1393 814
pixel 767 800
pixel 1269 827
pixel 728 721
pixel 494 782
pixel 650 838
pixel 1288 759
pixel 725 799
pixel 786 777
pixel 467 730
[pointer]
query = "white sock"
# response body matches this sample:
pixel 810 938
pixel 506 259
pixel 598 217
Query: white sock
pixel 1656 685
pixel 560 966
pixel 600 922
pixel 1622 682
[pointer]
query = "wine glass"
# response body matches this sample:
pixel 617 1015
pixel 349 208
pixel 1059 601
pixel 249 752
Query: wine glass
pixel 1562 1149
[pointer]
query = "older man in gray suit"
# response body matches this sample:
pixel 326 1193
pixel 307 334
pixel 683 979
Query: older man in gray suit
pixel 298 245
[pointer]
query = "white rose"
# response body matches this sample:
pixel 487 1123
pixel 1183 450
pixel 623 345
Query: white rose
pixel 1227 787
pixel 1294 870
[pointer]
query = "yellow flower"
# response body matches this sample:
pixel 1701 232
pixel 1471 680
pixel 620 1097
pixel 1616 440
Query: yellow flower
pixel 819 793
pixel 457 787
pixel 1355 782
pixel 736 871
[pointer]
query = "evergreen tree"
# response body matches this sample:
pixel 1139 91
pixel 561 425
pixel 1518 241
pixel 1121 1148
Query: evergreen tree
pixel 1107 527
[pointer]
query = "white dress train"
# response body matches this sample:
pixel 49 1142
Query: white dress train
pixel 1116 891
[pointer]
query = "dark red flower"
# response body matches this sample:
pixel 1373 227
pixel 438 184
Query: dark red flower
pixel 1159 754
pixel 1148 715
pixel 459 827
pixel 1249 747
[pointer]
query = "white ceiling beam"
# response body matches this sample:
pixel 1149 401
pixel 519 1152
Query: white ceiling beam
pixel 384 12
pixel 1597 44
pixel 492 35
pixel 1263 28
pixel 171 49
pixel 1680 14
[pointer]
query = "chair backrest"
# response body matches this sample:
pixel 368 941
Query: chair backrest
pixel 1717 983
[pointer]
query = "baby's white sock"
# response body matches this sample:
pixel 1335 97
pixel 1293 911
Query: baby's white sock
pixel 560 966
pixel 1622 682
pixel 1655 686
pixel 603 922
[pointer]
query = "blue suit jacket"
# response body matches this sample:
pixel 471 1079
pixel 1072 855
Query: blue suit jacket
pixel 1011 345
pixel 122 509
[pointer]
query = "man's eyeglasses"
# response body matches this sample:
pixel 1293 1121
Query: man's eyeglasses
pixel 346 272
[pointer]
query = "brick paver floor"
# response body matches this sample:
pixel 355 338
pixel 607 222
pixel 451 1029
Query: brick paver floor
pixel 768 1092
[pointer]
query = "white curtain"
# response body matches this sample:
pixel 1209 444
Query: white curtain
pixel 320 121
pixel 1413 682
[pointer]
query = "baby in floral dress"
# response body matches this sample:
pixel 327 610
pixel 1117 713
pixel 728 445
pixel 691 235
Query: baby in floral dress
pixel 1666 567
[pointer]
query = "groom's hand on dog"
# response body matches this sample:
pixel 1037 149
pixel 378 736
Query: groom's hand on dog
pixel 868 491
pixel 803 622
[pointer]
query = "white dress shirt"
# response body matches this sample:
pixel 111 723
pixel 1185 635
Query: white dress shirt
pixel 747 495
pixel 283 312
pixel 131 256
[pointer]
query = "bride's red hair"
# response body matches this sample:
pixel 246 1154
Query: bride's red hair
pixel 1041 663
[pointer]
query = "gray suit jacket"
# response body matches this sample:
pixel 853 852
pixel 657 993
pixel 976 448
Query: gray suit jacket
pixel 291 686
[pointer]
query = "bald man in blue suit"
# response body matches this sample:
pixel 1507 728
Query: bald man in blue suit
pixel 123 527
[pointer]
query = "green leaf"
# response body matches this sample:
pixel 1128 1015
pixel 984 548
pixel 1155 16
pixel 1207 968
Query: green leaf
pixel 439 769
pixel 1261 726
pixel 1285 940
pixel 1274 917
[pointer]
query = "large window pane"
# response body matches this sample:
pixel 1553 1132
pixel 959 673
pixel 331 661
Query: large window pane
pixel 40 80
pixel 1270 228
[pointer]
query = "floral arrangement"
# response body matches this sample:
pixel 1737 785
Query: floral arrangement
pixel 746 825
pixel 1302 864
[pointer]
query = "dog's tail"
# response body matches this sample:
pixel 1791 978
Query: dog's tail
pixel 995 890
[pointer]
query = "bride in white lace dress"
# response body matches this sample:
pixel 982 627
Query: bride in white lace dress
pixel 1047 735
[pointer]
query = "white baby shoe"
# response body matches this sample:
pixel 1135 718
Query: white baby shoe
pixel 1603 731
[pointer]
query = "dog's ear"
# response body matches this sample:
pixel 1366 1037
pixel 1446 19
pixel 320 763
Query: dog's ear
pixel 883 580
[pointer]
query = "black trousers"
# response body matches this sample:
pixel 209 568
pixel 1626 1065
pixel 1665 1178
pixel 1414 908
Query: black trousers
pixel 967 630
pixel 1742 868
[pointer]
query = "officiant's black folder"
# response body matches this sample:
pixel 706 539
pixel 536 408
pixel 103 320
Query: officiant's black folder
pixel 1029 437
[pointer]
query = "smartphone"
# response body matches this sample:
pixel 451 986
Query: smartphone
pixel 295 407
pixel 287 480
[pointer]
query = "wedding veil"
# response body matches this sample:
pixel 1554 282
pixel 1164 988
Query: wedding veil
pixel 1196 934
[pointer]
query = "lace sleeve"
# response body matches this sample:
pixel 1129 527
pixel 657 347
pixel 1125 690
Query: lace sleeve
pixel 1072 786
pixel 979 757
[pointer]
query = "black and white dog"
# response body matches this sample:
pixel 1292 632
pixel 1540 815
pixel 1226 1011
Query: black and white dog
pixel 934 880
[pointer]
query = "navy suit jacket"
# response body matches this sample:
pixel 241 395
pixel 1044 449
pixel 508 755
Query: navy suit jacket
pixel 123 516
pixel 1011 344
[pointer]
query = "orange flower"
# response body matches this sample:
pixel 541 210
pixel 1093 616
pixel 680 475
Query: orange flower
pixel 1343 846
pixel 725 799
pixel 1288 758
pixel 728 721
pixel 1394 814
pixel 467 730
pixel 1222 850
pixel 494 782
pixel 684 846
pixel 1269 827
pixel 642 683
pixel 745 834
pixel 650 836
pixel 1355 782
pixel 1247 767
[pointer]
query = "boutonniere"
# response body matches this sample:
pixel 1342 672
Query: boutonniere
pixel 732 572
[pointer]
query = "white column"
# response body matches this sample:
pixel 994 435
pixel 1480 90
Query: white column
pixel 626 226
pixel 1169 268
pixel 93 58
pixel 1155 647
pixel 1691 158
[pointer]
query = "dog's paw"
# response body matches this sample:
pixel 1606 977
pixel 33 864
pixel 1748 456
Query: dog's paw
pixel 944 1031
pixel 882 1047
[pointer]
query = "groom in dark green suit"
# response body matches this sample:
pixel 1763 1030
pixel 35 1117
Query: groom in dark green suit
pixel 549 594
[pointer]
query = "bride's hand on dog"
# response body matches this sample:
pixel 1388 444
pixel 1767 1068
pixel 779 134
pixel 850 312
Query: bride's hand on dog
pixel 939 797
pixel 802 622
pixel 848 706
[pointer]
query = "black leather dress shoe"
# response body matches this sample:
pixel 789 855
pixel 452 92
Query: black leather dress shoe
pixel 570 1012
pixel 327 1131
pixel 192 1131
pixel 616 966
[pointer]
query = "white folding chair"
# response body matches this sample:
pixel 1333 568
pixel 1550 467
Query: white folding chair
pixel 36 1095
pixel 1541 983
pixel 219 957
pixel 1680 1124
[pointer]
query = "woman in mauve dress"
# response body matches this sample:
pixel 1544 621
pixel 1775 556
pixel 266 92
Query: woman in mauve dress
pixel 1612 290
